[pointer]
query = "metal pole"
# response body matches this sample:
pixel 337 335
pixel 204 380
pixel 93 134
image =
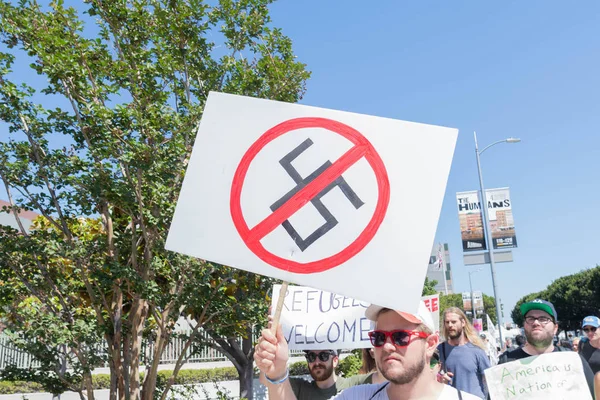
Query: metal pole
pixel 488 235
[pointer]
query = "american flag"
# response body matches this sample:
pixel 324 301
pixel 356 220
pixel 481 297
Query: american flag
pixel 439 262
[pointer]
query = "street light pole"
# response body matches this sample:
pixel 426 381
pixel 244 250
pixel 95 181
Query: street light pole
pixel 486 225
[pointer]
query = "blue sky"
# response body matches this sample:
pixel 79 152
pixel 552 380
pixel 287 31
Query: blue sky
pixel 529 69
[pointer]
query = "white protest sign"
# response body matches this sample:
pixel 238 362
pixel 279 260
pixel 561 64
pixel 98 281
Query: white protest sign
pixel 314 319
pixel 329 199
pixel 557 376
pixel 432 302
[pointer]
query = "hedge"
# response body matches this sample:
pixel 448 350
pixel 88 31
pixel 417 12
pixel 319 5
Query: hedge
pixel 346 367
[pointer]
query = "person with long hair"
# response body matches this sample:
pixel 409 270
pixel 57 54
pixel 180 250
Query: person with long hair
pixel 370 367
pixel 463 354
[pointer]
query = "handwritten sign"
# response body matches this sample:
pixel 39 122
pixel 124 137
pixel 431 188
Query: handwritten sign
pixel 314 197
pixel 314 319
pixel 554 376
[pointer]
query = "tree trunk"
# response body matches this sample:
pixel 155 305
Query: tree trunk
pixel 89 386
pixel 162 340
pixel 242 359
pixel 246 380
pixel 138 314
pixel 247 375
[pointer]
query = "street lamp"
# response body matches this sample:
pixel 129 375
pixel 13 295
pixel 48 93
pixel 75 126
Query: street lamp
pixel 486 224
pixel 471 286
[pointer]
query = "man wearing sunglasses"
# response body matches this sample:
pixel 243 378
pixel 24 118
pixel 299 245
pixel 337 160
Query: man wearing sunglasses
pixel 403 345
pixel 325 384
pixel 540 328
pixel 589 348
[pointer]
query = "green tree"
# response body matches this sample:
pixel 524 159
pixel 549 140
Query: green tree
pixel 429 287
pixel 574 297
pixel 107 140
pixel 455 300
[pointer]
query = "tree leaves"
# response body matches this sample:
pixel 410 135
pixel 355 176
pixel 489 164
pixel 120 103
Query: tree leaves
pixel 100 151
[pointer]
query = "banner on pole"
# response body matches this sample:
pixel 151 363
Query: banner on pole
pixel 467 305
pixel 500 215
pixel 478 301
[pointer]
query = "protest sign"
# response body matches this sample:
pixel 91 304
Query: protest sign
pixel 478 324
pixel 313 319
pixel 315 197
pixel 432 303
pixel 557 376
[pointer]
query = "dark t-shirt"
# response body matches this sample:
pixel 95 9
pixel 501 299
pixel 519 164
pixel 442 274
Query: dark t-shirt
pixel 308 390
pixel 591 355
pixel 519 354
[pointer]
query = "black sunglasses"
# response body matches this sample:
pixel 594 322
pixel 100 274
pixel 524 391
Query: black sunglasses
pixel 400 338
pixel 590 329
pixel 323 356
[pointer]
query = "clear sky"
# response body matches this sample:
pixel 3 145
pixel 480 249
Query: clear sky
pixel 529 69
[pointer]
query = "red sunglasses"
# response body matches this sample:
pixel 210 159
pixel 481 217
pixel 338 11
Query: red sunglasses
pixel 400 338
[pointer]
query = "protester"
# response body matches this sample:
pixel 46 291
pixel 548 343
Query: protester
pixel 541 325
pixel 520 340
pixel 590 348
pixel 404 344
pixel 490 350
pixel 463 355
pixel 325 383
pixel 576 344
pixel 370 367
pixel 566 344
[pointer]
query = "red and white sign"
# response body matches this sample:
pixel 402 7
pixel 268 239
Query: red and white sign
pixel 432 302
pixel 338 201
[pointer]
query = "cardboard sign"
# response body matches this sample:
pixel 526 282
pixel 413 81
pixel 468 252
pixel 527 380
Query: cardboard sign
pixel 314 319
pixel 557 376
pixel 315 197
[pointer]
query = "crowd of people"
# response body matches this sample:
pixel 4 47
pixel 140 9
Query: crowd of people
pixel 408 361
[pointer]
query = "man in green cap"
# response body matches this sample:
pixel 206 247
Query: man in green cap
pixel 541 325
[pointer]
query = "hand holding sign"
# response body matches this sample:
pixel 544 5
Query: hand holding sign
pixel 271 353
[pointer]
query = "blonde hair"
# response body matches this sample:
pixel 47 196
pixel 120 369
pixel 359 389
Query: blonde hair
pixel 468 329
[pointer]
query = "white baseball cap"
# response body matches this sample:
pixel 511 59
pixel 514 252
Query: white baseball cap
pixel 423 315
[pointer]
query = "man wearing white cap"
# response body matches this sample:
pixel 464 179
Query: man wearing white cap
pixel 404 344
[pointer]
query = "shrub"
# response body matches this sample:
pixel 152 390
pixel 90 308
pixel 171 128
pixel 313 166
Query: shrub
pixel 350 365
pixel 299 368
pixel 102 381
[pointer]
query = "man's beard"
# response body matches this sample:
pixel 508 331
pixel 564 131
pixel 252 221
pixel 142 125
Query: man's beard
pixel 456 335
pixel 539 343
pixel 325 371
pixel 408 375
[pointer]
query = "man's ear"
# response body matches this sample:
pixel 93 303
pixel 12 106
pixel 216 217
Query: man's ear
pixel 336 361
pixel 432 343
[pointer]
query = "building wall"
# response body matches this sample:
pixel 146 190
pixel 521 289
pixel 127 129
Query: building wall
pixel 435 273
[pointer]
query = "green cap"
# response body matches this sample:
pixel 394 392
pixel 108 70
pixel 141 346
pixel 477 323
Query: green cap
pixel 539 304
